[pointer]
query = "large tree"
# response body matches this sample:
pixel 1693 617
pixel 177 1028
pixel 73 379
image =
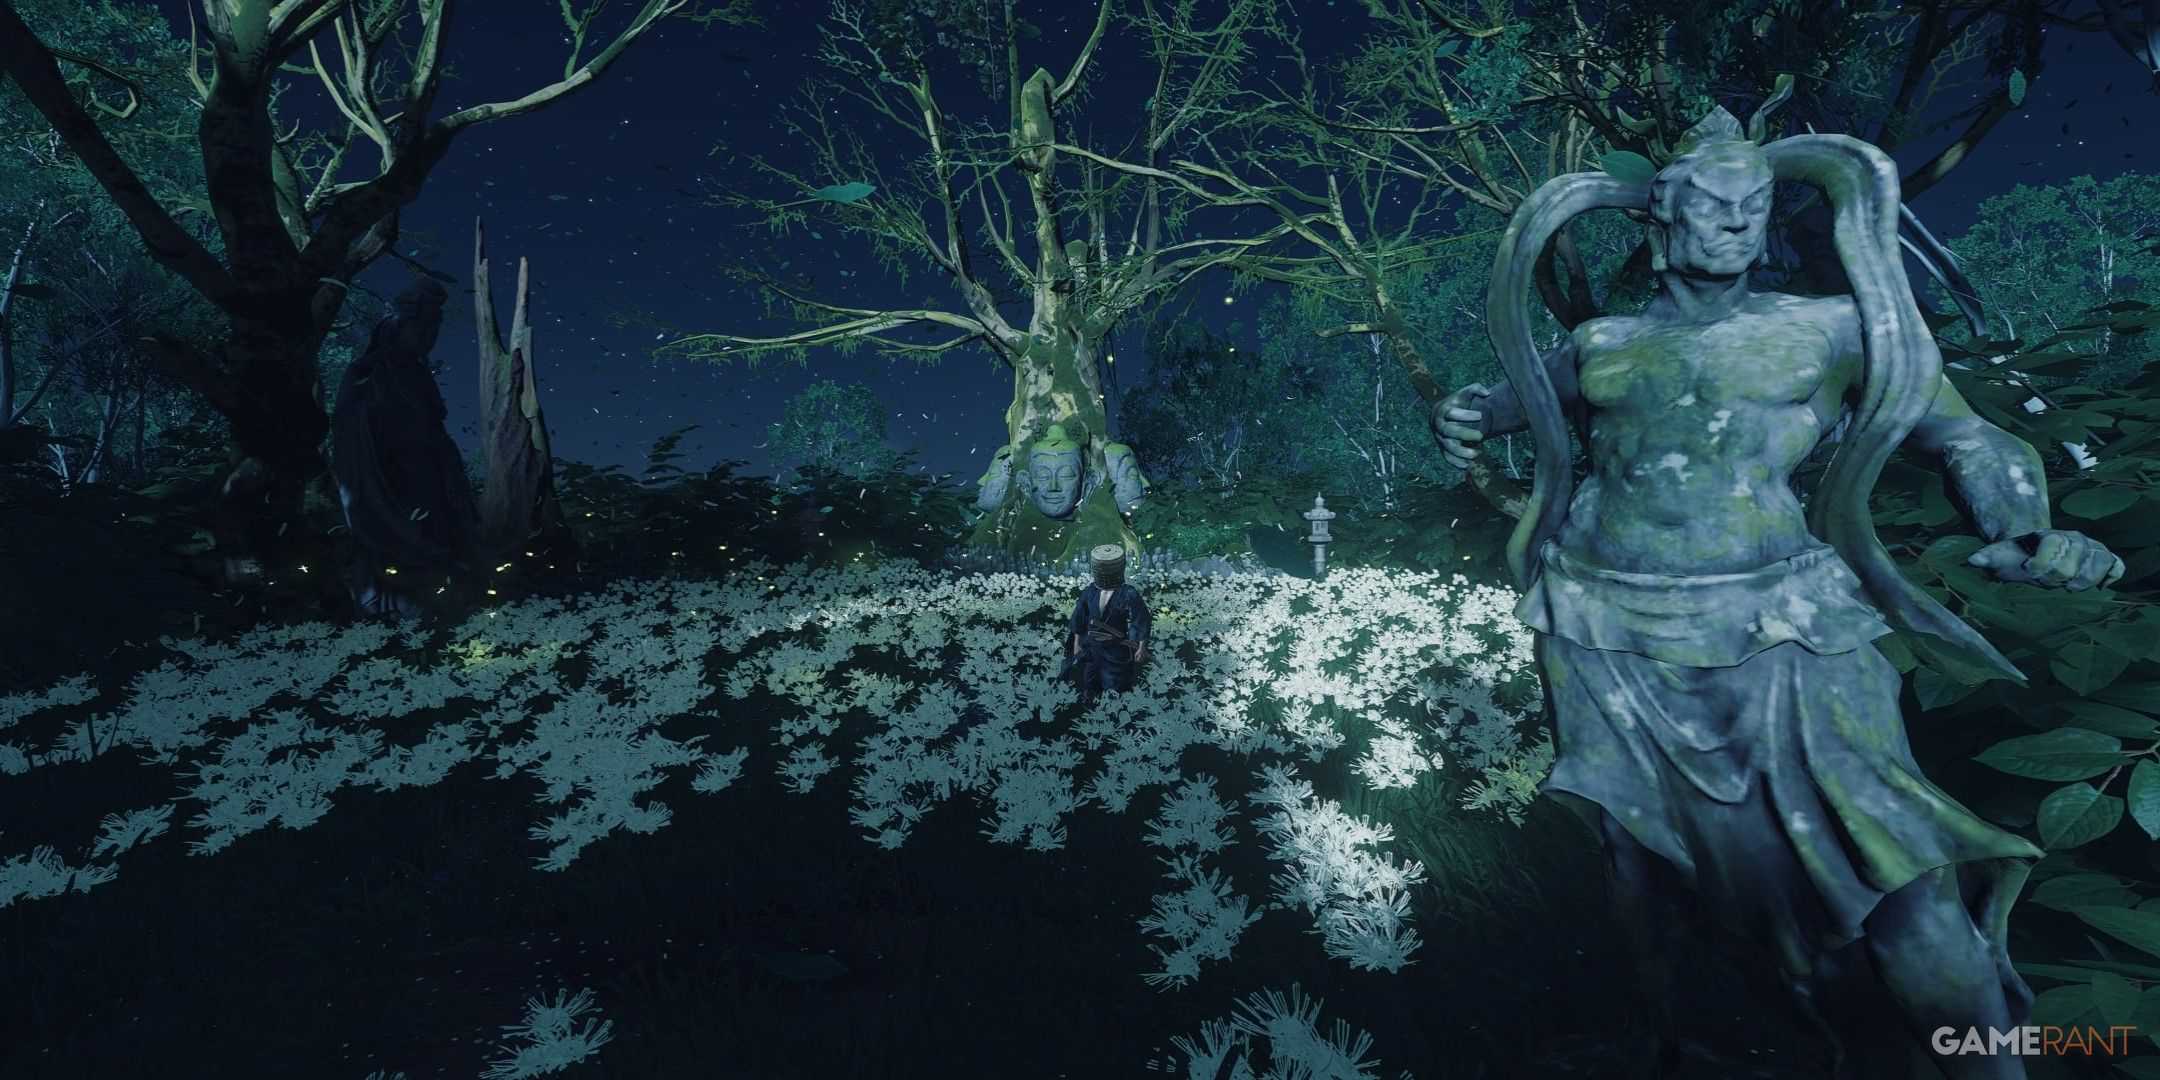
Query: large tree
pixel 2040 256
pixel 1048 224
pixel 295 225
pixel 77 291
pixel 1450 114
pixel 1931 76
pixel 1391 171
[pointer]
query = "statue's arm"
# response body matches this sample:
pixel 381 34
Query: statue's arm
pixel 1503 408
pixel 1993 477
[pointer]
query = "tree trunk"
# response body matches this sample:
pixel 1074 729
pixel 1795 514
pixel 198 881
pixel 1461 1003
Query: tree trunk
pixel 518 507
pixel 265 385
pixel 108 425
pixel 142 403
pixel 1057 376
pixel 7 327
pixel 1056 381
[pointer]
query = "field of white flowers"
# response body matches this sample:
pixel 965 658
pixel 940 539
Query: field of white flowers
pixel 921 694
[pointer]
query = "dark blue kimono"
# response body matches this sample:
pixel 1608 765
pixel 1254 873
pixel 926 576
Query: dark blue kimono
pixel 1108 665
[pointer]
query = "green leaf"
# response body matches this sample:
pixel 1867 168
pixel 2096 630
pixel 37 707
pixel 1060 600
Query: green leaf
pixel 2062 1006
pixel 1896 651
pixel 2047 362
pixel 2083 890
pixel 2085 666
pixel 1935 689
pixel 1447 49
pixel 2094 503
pixel 1950 658
pixel 1950 550
pixel 2142 696
pixel 844 193
pixel 1629 166
pixel 2017 88
pixel 2137 928
pixel 2110 720
pixel 2062 754
pixel 2032 613
pixel 2116 996
pixel 2148 1017
pixel 2077 814
pixel 2144 797
pixel 2086 967
pixel 1936 509
pixel 2055 971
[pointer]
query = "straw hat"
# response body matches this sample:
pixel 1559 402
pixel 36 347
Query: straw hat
pixel 1107 564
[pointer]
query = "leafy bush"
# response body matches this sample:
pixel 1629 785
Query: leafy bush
pixel 836 427
pixel 2083 736
pixel 668 521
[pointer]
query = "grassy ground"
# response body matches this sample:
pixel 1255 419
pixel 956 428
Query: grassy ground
pixel 402 930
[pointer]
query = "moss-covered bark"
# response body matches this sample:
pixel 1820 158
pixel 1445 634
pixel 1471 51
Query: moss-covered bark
pixel 1055 382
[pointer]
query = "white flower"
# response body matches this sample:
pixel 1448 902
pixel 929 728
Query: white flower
pixel 552 1038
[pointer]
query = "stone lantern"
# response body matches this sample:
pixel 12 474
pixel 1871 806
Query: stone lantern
pixel 1319 515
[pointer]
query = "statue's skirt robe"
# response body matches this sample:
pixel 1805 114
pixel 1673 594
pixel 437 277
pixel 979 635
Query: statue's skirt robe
pixel 1743 727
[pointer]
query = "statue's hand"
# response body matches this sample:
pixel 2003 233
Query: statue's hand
pixel 2051 559
pixel 1459 424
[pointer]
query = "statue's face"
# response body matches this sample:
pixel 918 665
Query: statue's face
pixel 997 482
pixel 1055 480
pixel 1720 214
pixel 1125 482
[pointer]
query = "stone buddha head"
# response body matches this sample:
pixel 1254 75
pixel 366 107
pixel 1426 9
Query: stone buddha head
pixel 1126 482
pixel 997 481
pixel 1055 465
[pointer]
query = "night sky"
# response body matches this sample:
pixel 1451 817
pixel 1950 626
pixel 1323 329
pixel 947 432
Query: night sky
pixel 601 191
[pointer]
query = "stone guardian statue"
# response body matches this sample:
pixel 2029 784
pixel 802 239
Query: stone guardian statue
pixel 1724 722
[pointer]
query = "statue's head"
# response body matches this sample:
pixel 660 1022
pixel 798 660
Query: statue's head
pixel 1710 208
pixel 419 313
pixel 997 481
pixel 1054 467
pixel 1126 482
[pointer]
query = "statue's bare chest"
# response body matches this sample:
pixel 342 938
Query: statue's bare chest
pixel 1742 361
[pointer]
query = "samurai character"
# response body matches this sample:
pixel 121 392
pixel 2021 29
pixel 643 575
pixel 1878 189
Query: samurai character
pixel 1108 631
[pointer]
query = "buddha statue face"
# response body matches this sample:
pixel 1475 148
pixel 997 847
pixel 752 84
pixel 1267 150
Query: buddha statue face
pixel 1054 468
pixel 1713 208
pixel 996 483
pixel 1126 482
